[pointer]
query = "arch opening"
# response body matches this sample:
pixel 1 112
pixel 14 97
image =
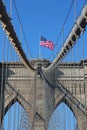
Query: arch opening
pixel 63 119
pixel 16 118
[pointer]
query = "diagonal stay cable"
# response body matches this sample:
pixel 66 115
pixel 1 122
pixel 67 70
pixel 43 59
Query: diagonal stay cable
pixel 65 23
pixel 18 94
pixel 22 28
pixel 68 13
pixel 11 34
pixel 66 92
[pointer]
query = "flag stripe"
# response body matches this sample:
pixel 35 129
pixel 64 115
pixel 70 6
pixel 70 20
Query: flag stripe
pixel 46 43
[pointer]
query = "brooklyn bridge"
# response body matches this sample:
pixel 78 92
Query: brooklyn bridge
pixel 32 89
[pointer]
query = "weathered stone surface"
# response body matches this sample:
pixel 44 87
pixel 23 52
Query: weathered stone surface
pixel 70 80
pixel 40 97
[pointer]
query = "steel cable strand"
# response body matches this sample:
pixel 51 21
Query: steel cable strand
pixel 61 31
pixel 22 27
pixel 67 45
pixel 65 92
pixel 9 29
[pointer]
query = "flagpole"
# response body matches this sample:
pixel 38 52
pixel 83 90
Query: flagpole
pixel 39 51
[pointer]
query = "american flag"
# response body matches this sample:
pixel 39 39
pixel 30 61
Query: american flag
pixel 46 43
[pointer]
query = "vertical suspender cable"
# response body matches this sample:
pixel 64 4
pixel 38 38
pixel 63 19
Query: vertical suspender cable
pixel 79 71
pixel 78 84
pixel 74 11
pixel 74 84
pixel 6 72
pixel 17 104
pixel 22 29
pixel 62 36
pixel 9 99
pixel 21 109
pixel 11 90
pixel 68 13
pixel 18 125
pixel 84 89
pixel 63 82
pixel 83 61
pixel 10 70
pixel 10 8
pixel 2 81
pixel 14 105
pixel 14 125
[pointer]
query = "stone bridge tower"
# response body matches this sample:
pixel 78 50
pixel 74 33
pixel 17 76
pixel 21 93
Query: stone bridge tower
pixel 39 91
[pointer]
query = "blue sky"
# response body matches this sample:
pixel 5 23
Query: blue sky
pixel 43 18
pixel 61 119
